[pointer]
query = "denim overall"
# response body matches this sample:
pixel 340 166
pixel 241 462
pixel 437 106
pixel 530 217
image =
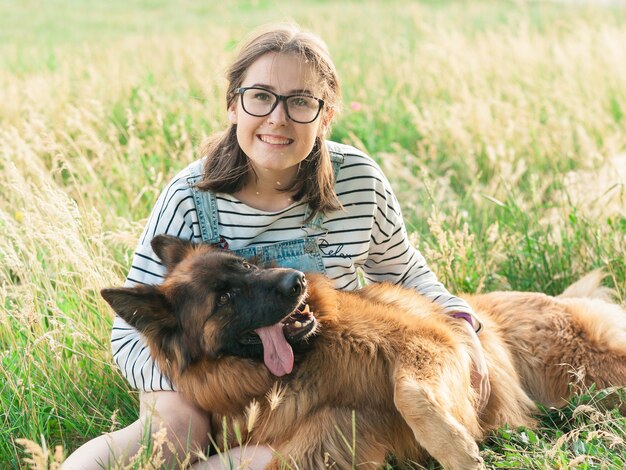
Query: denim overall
pixel 302 254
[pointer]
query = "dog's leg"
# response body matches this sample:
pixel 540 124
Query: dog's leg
pixel 434 426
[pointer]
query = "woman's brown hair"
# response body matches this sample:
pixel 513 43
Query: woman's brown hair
pixel 227 166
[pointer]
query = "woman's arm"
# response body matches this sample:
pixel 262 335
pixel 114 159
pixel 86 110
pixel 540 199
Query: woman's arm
pixel 392 258
pixel 174 213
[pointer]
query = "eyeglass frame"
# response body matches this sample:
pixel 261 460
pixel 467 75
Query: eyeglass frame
pixel 241 90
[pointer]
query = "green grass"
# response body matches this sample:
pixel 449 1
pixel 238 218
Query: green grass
pixel 500 125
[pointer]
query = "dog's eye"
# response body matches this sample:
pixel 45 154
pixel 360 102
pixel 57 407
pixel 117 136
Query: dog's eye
pixel 247 265
pixel 224 298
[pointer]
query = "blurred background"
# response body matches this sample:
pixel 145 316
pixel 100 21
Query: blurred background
pixel 501 125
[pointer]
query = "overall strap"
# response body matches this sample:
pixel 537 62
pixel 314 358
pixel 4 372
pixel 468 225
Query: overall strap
pixel 206 204
pixel 336 158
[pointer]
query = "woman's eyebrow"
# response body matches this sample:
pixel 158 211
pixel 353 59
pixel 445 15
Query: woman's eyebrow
pixel 263 85
pixel 301 91
pixel 297 91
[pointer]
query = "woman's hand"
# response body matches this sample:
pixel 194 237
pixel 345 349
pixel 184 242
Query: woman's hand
pixel 480 373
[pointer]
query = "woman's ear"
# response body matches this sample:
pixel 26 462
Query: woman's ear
pixel 232 113
pixel 327 117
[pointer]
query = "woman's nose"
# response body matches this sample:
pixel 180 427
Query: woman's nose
pixel 278 114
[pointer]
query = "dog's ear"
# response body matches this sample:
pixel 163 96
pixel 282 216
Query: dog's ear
pixel 147 309
pixel 143 307
pixel 171 250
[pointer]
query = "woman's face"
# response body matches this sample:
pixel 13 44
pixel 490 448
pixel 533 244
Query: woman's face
pixel 274 143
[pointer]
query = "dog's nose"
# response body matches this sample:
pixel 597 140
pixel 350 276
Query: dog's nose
pixel 292 283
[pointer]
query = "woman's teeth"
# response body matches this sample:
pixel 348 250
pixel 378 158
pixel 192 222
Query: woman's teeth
pixel 274 140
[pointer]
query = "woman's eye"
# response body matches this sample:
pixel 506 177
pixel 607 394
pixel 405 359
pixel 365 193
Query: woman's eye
pixel 224 298
pixel 261 96
pixel 301 102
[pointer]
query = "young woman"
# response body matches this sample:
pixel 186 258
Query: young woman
pixel 272 188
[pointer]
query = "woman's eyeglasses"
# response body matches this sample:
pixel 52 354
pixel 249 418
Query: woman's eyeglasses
pixel 260 102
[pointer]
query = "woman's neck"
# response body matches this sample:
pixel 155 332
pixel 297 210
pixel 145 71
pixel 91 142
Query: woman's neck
pixel 265 190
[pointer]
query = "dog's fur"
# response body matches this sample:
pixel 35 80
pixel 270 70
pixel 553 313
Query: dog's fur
pixel 384 351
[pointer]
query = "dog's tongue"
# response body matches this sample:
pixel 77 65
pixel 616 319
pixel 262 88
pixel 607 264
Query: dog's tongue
pixel 277 352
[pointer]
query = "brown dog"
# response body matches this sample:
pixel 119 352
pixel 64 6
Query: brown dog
pixel 228 333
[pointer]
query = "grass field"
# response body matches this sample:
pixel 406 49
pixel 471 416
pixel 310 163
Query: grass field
pixel 502 126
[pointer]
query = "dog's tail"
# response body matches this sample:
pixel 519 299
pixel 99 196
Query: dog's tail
pixel 590 287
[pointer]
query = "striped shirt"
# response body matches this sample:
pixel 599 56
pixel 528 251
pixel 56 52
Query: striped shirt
pixel 368 233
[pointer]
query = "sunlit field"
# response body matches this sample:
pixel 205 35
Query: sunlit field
pixel 501 125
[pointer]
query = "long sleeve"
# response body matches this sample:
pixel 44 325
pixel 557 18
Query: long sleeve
pixel 174 213
pixel 392 258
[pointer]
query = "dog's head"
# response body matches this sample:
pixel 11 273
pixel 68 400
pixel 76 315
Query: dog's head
pixel 213 303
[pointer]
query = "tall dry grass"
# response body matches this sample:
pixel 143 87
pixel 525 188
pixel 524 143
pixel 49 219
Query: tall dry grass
pixel 501 126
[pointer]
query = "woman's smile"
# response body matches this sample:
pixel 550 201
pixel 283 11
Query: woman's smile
pixel 275 140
